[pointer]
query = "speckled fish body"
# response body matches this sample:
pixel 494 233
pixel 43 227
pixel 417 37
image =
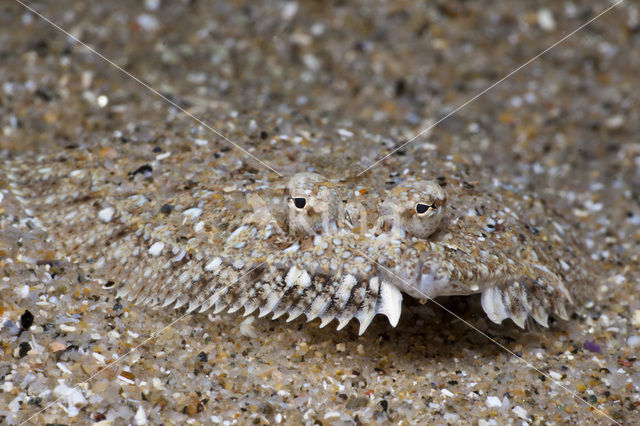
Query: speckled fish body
pixel 209 232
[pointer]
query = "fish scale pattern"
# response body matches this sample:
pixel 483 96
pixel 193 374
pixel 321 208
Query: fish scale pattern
pixel 170 233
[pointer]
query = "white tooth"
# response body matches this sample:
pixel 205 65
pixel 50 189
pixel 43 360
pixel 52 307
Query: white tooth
pixel 280 312
pixel 298 278
pixel 344 292
pixel 487 303
pixel 242 298
pixel 561 311
pixel 367 312
pixel 318 305
pixel 326 320
pixel 249 309
pixel 358 299
pixel 193 305
pixel 181 301
pixel 343 322
pixel 501 305
pixel 390 302
pixel 294 315
pixel 220 306
pixel 364 318
pixel 208 303
pixel 492 305
pixel 340 298
pixel 521 315
pixel 541 316
pixel 234 308
pixel 520 319
pixel 169 300
pixel 270 303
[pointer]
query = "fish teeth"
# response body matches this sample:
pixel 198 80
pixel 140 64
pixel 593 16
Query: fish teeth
pixel 339 299
pixel 169 300
pixel 297 281
pixel 193 305
pixel 390 302
pixel 319 304
pixel 367 311
pixel 493 305
pixel 352 307
pixel 180 302
pixel 540 315
pixel 272 298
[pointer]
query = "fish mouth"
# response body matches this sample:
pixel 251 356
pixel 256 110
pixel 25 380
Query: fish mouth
pixel 427 281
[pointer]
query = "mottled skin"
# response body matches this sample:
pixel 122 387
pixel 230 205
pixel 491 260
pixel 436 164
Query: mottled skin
pixel 186 228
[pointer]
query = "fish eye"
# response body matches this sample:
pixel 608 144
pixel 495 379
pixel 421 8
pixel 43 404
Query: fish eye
pixel 299 202
pixel 422 208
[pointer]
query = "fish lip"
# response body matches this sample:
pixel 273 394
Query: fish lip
pixel 426 286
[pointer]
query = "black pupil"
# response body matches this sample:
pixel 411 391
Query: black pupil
pixel 421 208
pixel 299 202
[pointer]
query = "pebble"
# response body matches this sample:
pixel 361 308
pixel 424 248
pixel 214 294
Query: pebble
pixel 193 213
pixel 147 22
pixel 614 122
pixel 23 349
pixel 67 328
pixel 493 402
pixel 546 20
pixel 634 341
pixel 141 417
pixel 22 291
pixel 289 10
pixel 635 320
pixel 26 320
pixel 555 375
pixel 446 392
pixel 72 396
pixel 56 346
pixel 520 412
pixel 345 133
pixel 332 415
pixel 17 402
pixel 592 346
pixel 11 328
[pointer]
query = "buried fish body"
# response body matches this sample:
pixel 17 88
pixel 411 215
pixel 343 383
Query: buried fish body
pixel 176 230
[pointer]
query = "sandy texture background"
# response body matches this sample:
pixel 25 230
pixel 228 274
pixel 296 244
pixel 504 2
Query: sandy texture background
pixel 566 126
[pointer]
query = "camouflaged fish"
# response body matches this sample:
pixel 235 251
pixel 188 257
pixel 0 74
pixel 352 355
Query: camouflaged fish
pixel 208 232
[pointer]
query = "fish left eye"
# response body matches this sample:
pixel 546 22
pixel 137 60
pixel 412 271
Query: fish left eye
pixel 299 202
pixel 422 208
